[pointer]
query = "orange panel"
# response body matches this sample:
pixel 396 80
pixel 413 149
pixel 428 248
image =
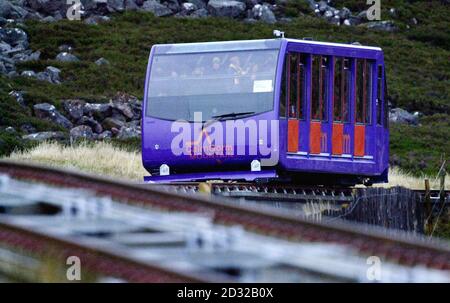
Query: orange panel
pixel 360 134
pixel 338 138
pixel 292 136
pixel 315 137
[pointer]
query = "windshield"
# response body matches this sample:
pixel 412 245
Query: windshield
pixel 215 84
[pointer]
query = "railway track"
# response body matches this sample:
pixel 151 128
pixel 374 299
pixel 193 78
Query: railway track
pixel 280 192
pixel 396 247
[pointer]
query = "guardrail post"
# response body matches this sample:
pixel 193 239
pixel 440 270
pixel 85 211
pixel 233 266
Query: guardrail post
pixel 428 215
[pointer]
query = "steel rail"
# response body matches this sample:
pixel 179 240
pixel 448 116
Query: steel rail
pixel 398 247
pixel 95 259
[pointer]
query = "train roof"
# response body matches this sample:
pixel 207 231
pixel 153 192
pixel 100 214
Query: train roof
pixel 333 44
pixel 245 45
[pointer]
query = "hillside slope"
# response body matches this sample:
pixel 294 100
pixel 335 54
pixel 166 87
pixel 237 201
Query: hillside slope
pixel 417 58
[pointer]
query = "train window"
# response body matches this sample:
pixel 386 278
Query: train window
pixel 284 88
pixel 379 92
pixel 296 64
pixel 341 89
pixel 363 91
pixel 302 85
pixel 292 86
pixel 386 102
pixel 319 87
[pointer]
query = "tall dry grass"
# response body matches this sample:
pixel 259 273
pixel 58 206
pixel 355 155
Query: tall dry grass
pixel 397 177
pixel 104 158
pixel 101 158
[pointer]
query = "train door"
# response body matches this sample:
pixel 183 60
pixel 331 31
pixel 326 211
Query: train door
pixel 381 112
pixel 342 128
pixel 364 128
pixel 319 125
pixel 296 67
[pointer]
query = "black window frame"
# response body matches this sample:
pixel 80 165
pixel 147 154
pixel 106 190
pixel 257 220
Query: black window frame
pixel 363 102
pixel 322 86
pixel 344 98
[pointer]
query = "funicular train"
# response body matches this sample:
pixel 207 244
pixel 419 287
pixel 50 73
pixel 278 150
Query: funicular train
pixel 300 111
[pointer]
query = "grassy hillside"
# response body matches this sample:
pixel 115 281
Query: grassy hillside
pixel 418 65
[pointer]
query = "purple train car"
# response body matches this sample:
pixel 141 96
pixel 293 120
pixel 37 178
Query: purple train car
pixel 277 109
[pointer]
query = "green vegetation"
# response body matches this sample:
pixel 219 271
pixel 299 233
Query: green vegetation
pixel 419 148
pixel 417 64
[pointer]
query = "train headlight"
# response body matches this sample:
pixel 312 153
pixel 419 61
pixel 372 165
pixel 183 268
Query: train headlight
pixel 255 165
pixel 164 170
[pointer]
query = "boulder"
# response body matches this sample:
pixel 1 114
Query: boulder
pixel 48 7
pixel 173 5
pixel 3 69
pixel 188 7
pixel 110 123
pixel 115 5
pixel 156 8
pixel 200 13
pixel 105 135
pixel 328 15
pixel 198 3
pixel 11 74
pixel 28 73
pixel 18 96
pixel 28 128
pixel 26 56
pixel 98 110
pixel 81 132
pixel 74 108
pixel 335 20
pixel 354 20
pixel 5 9
pixel 116 114
pixel 5 47
pixel 15 37
pixel 323 6
pixel 102 61
pixel 65 48
pixel 399 115
pixel 127 105
pixel 362 16
pixel 54 73
pixel 10 130
pixel 226 8
pixel 96 19
pixel 128 133
pixel 114 131
pixel 44 136
pixel 51 74
pixel 49 19
pixel 10 11
pixel 393 12
pixel 130 5
pixel 66 57
pixel 92 123
pixel 48 112
pixel 387 26
pixel 263 13
pixel 344 13
pixel 43 76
